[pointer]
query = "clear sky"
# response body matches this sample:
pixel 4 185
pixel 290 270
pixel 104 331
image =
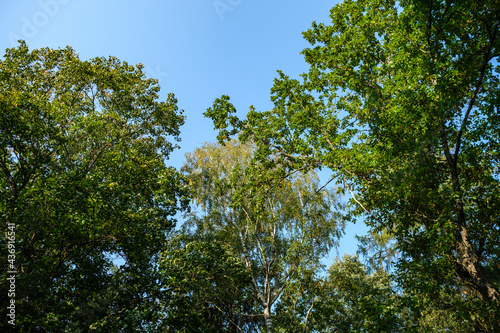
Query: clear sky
pixel 197 49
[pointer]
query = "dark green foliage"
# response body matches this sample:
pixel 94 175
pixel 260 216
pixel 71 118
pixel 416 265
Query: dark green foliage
pixel 351 300
pixel 206 286
pixel 83 179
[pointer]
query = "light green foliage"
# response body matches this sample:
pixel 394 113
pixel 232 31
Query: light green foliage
pixel 82 177
pixel 401 103
pixel 354 301
pixel 280 233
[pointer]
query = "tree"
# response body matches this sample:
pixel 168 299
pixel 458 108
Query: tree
pixel 401 103
pixel 83 179
pixel 280 234
pixel 354 301
pixel 206 286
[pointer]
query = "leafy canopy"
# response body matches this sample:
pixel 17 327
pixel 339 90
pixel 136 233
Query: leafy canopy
pixel 401 103
pixel 83 178
pixel 278 234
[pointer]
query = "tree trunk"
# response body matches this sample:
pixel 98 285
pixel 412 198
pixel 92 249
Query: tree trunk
pixel 268 319
pixel 469 267
pixel 472 271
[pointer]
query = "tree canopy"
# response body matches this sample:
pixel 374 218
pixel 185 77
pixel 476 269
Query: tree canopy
pixel 279 234
pixel 83 146
pixel 401 102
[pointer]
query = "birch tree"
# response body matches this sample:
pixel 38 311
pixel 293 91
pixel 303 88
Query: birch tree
pixel 280 233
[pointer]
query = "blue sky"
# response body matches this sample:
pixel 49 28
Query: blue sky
pixel 198 49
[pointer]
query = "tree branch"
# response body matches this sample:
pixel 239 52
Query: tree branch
pixel 376 218
pixel 471 105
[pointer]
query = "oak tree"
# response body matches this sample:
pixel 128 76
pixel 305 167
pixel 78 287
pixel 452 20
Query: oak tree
pixel 401 103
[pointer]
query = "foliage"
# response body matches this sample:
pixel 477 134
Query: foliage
pixel 280 233
pixel 296 308
pixel 206 286
pixel 357 298
pixel 355 301
pixel 83 179
pixel 401 103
